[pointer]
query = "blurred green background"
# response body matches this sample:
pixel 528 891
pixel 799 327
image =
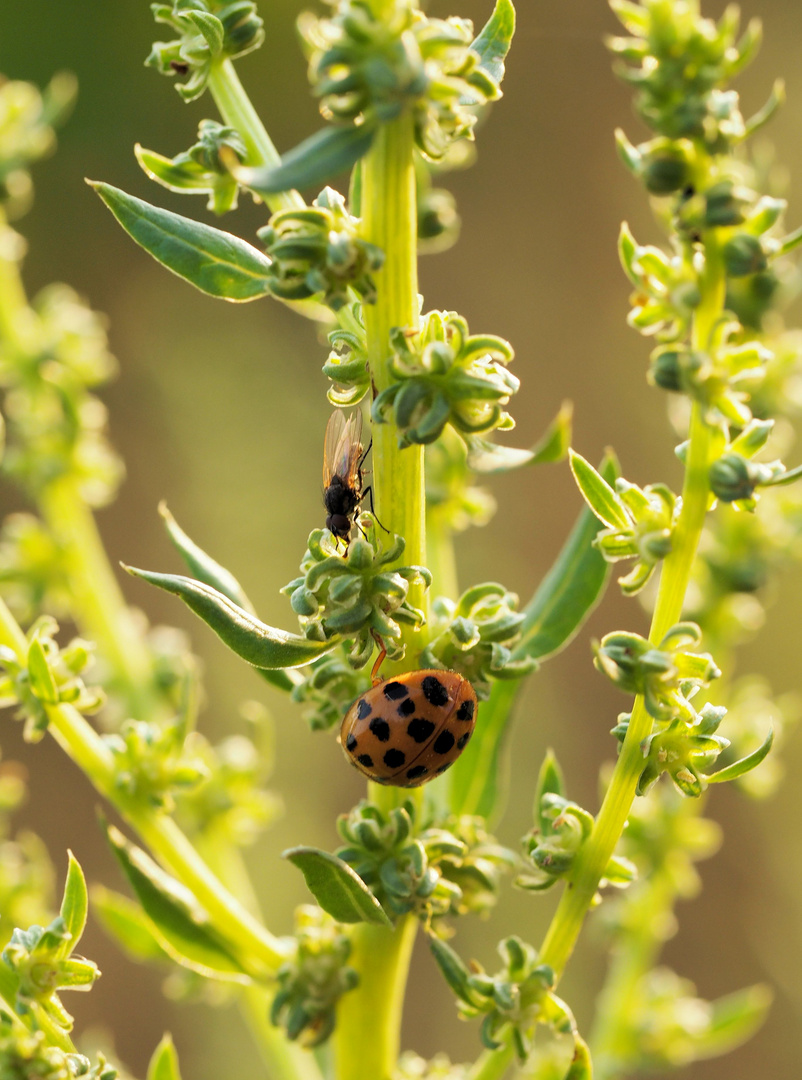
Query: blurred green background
pixel 220 409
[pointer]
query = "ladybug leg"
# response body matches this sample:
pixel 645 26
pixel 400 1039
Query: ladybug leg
pixel 374 675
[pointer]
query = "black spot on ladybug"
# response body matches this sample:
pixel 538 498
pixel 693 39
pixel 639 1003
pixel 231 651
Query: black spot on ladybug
pixel 416 771
pixel 395 690
pixel 443 768
pixel 366 760
pixel 434 691
pixel 394 758
pixel 462 741
pixel 363 710
pixel 380 728
pixel 465 711
pixel 419 729
pixel 443 742
pixel 350 742
pixel 406 708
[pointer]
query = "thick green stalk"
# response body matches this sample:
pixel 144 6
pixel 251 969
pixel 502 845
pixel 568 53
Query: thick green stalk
pixel 389 220
pixel 595 854
pixel 367 1037
pixel 237 111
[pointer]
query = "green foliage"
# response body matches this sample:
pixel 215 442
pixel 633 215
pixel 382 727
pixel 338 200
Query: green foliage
pixel 26 1053
pixel 310 985
pixel 202 168
pixel 444 375
pixel 318 250
pixel 209 34
pixel 355 595
pixel 339 891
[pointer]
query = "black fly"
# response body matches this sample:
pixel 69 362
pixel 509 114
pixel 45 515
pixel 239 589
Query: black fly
pixel 343 455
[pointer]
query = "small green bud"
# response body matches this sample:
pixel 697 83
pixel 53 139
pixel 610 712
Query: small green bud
pixel 743 255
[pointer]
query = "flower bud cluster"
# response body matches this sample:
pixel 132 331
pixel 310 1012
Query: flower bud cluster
pixel 431 871
pixel 512 1001
pixel 355 595
pixel 230 802
pixel 652 512
pixel 347 363
pixel 476 636
pixel 553 847
pixel 41 961
pixel 313 981
pixel 26 873
pixel 444 375
pixel 329 686
pixel 684 747
pixel 319 250
pixel 368 67
pixel 49 676
pixel 151 761
pixel 33 568
pixel 452 501
pixel 210 32
pixel 55 427
pixel 664 674
pixel 27 119
pixel 27 1054
pixel 201 169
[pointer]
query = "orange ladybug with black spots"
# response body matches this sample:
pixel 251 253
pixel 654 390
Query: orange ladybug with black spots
pixel 409 729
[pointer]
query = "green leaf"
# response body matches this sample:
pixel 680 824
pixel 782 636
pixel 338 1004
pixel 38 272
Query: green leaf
pixel 214 261
pixel 571 589
pixel 313 162
pixel 734 1019
pixel 549 782
pixel 487 457
pixel 254 641
pixel 164 1063
pixel 581 1064
pixel 337 888
pixel 203 566
pixel 9 986
pixel 124 920
pixel 745 765
pixel 605 503
pixel 165 172
pixel 180 925
pixel 75 904
pixel 562 602
pixel 454 970
pixel 42 682
pixel 493 42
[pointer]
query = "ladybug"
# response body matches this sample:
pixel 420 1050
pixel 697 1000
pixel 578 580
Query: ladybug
pixel 411 728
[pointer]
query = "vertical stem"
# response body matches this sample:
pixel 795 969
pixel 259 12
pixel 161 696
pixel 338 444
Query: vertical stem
pixel 595 854
pixel 389 220
pixel 367 1036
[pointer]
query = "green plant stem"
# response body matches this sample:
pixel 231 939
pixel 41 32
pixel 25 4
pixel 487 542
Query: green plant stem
pixel 161 834
pixel 99 607
pixel 389 220
pixel 237 111
pixel 595 854
pixel 493 1064
pixel 440 553
pixel 367 1036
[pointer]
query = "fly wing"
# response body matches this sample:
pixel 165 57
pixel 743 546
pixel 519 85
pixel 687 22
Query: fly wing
pixel 343 448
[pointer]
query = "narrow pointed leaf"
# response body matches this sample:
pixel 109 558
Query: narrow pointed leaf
pixel 124 920
pixel 745 765
pixel 581 1064
pixel 164 1063
pixel 562 602
pixel 180 925
pixel 203 566
pixel 315 161
pixel 214 261
pixel 487 457
pixel 734 1019
pixel 75 904
pixel 261 645
pixel 337 888
pixel 597 493
pixel 454 970
pixel 549 782
pixel 493 42
pixel 42 682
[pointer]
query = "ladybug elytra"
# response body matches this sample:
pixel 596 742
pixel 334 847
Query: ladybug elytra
pixel 409 729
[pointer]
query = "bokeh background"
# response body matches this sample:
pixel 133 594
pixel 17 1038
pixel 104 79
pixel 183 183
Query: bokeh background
pixel 220 409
